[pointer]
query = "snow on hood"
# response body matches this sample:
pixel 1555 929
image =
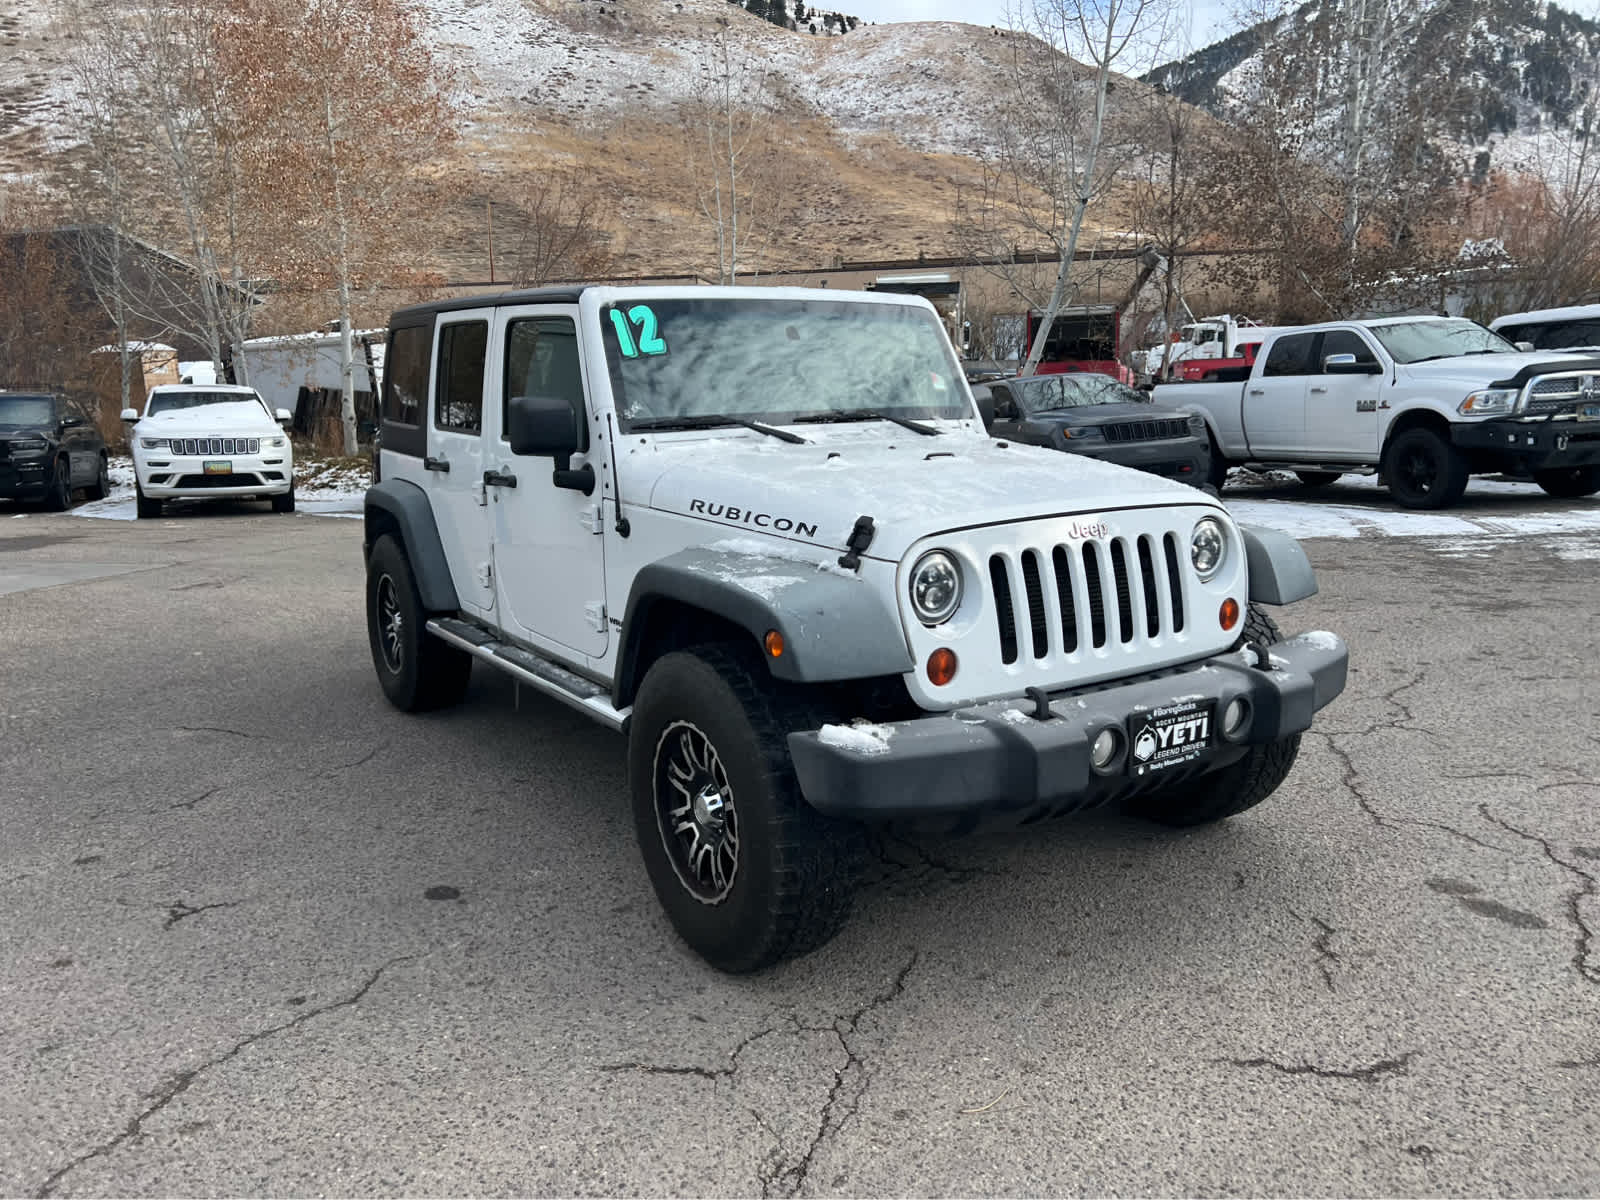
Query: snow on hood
pixel 1480 370
pixel 756 484
pixel 235 415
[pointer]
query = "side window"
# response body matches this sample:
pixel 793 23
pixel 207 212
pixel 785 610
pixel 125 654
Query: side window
pixel 1005 408
pixel 1342 341
pixel 458 395
pixel 542 360
pixel 1290 355
pixel 405 384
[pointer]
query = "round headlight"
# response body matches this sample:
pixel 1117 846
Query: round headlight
pixel 1208 545
pixel 935 587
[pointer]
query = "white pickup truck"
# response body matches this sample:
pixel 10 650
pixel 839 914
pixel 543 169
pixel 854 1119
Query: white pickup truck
pixel 1424 401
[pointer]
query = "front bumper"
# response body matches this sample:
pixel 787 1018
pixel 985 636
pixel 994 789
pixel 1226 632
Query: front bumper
pixel 996 764
pixel 24 478
pixel 1185 460
pixel 1531 445
pixel 181 476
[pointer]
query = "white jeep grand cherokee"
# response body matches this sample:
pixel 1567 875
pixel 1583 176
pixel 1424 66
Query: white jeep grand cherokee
pixel 209 442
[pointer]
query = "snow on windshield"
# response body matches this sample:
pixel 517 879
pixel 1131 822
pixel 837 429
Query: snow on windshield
pixel 1417 341
pixel 161 402
pixel 778 360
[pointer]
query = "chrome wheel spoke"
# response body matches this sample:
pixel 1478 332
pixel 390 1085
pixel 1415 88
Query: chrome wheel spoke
pixel 695 812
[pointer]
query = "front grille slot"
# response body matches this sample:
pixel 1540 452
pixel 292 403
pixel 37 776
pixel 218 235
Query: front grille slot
pixel 1097 597
pixel 1034 589
pixel 1147 578
pixel 217 481
pixel 216 445
pixel 1145 431
pixel 1549 393
pixel 1069 613
pixel 1174 581
pixel 1119 571
pixel 1005 611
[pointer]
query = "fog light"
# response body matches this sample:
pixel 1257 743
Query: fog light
pixel 941 667
pixel 1229 614
pixel 1234 717
pixel 1104 751
pixel 774 643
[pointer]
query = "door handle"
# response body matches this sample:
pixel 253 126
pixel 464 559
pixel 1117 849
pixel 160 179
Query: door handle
pixel 499 479
pixel 436 464
pixel 1319 391
pixel 1257 392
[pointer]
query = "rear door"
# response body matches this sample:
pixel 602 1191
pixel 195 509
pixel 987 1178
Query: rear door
pixel 1275 400
pixel 1342 410
pixel 453 466
pixel 549 552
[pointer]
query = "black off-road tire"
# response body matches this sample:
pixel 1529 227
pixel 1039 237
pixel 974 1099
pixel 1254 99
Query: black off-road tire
pixel 101 487
pixel 1424 470
pixel 145 507
pixel 283 502
pixel 58 496
pixel 793 876
pixel 1236 787
pixel 1316 479
pixel 417 672
pixel 1569 483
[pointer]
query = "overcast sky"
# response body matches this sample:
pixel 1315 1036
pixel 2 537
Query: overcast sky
pixel 1209 20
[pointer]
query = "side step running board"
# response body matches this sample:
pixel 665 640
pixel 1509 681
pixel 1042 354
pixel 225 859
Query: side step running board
pixel 526 667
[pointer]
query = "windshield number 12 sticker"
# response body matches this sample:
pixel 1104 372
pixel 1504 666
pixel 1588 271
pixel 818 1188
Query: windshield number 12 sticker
pixel 649 340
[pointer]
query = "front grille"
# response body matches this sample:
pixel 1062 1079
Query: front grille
pixel 1146 431
pixel 216 445
pixel 1118 590
pixel 217 481
pixel 1550 392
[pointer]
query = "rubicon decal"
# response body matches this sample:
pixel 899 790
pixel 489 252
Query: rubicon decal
pixel 732 515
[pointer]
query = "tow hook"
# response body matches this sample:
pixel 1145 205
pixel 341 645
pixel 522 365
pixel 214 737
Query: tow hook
pixel 1561 441
pixel 1263 659
pixel 1041 704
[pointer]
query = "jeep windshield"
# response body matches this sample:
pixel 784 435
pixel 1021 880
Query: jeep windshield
pixel 1049 393
pixel 1424 341
pixel 162 402
pixel 779 362
pixel 21 412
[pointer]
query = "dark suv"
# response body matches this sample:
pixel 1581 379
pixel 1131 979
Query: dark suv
pixel 49 448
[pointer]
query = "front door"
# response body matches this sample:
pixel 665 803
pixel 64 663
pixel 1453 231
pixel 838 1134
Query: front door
pixel 1342 410
pixel 549 562
pixel 453 468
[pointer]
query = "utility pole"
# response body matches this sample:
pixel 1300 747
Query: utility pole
pixel 491 241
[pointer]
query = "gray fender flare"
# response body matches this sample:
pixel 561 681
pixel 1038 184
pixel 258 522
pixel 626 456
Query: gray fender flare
pixel 403 504
pixel 1280 572
pixel 835 626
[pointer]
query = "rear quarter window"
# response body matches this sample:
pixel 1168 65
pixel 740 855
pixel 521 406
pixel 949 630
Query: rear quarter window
pixel 407 360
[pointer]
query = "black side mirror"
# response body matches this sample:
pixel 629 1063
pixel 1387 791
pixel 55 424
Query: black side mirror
pixel 985 399
pixel 546 425
pixel 71 422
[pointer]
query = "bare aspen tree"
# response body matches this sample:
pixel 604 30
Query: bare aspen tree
pixel 557 230
pixel 734 160
pixel 343 110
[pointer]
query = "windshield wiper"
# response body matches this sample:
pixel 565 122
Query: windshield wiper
pixel 868 414
pixel 711 421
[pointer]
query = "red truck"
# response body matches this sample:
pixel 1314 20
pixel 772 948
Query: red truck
pixel 1085 337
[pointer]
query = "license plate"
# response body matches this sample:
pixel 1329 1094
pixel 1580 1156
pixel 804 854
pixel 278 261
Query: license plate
pixel 1170 736
pixel 1589 412
pixel 216 466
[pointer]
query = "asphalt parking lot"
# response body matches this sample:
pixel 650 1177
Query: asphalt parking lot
pixel 266 935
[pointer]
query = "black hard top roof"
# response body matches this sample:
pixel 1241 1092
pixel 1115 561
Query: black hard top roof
pixel 419 314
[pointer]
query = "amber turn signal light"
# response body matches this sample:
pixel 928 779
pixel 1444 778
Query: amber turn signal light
pixel 1229 616
pixel 941 667
pixel 774 643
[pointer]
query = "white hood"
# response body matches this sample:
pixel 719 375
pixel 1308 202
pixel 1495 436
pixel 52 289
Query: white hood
pixel 1480 370
pixel 909 484
pixel 238 416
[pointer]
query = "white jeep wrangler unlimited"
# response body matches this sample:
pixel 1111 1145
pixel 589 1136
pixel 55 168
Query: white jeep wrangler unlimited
pixel 761 532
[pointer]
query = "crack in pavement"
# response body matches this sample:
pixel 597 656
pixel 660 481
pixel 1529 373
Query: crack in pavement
pixel 1583 938
pixel 189 804
pixel 180 1083
pixel 1368 1074
pixel 794 1177
pixel 179 911
pixel 1325 952
pixel 367 757
pixel 1350 783
pixel 214 729
pixel 925 866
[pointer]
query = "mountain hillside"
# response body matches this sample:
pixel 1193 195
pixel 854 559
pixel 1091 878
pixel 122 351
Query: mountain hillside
pixel 1531 67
